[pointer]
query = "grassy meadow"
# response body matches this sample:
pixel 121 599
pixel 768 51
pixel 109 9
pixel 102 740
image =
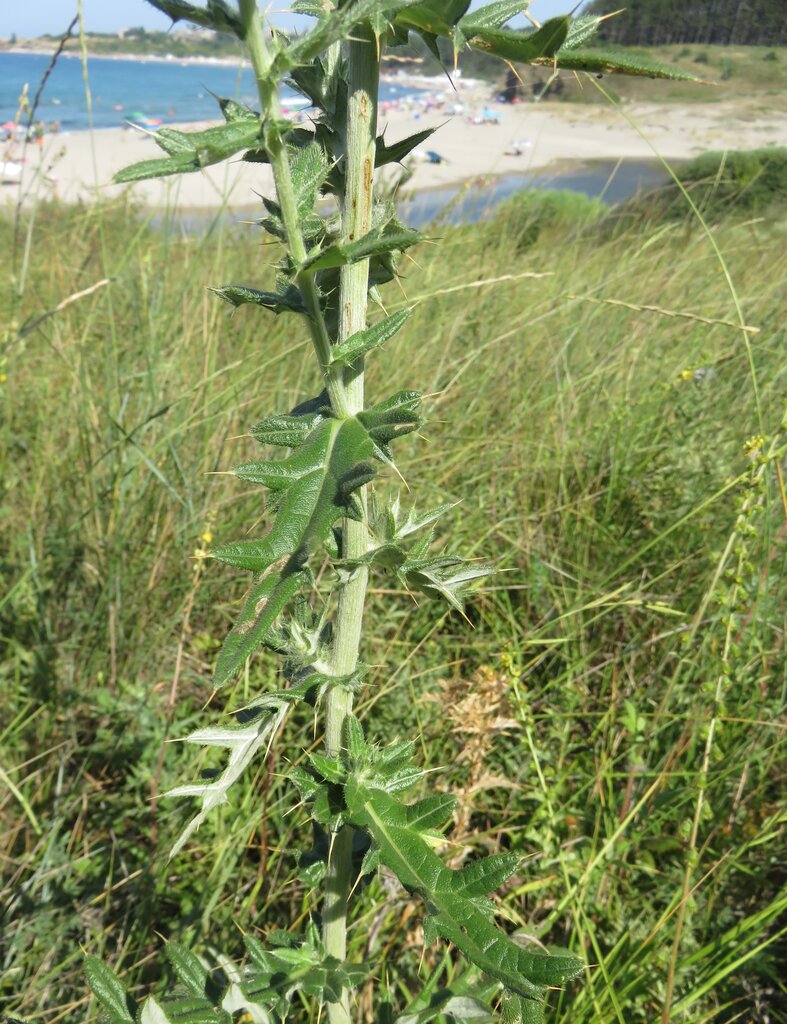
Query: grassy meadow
pixel 614 709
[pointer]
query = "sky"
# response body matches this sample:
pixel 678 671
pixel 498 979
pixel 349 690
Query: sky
pixel 28 20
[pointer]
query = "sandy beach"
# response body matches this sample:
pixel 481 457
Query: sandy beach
pixel 79 165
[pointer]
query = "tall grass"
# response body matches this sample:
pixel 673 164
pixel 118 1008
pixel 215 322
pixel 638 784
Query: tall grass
pixel 633 747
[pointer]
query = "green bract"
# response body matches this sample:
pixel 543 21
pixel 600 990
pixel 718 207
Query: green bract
pixel 324 516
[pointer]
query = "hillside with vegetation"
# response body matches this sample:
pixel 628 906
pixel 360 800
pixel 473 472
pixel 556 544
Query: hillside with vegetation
pixel 140 42
pixel 614 715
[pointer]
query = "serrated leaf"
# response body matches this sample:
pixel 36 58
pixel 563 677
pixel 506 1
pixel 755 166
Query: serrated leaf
pixel 376 243
pixel 487 874
pixel 318 483
pixel 493 15
pixel 234 111
pixel 371 861
pixel 310 170
pixel 456 916
pixel 334 26
pixel 160 168
pixel 188 968
pixel 285 431
pixel 267 599
pixel 523 47
pixel 395 417
pixel 614 62
pixel 415 522
pixel 430 813
pixel 364 341
pixel 191 151
pixel 242 743
pixel 109 991
pixel 522 1011
pixel 445 576
pixel 181 1010
pixel 286 301
pixel 328 767
pixel 582 28
pixel 354 742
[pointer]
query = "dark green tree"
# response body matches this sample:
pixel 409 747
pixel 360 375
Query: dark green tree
pixel 661 22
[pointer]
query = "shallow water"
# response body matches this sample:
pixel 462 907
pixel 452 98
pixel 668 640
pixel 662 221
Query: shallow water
pixel 609 180
pixel 121 90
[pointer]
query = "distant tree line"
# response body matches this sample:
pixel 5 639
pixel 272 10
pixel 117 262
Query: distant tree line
pixel 661 22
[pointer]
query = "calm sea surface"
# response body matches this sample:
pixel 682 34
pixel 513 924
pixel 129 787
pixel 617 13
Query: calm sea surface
pixel 123 89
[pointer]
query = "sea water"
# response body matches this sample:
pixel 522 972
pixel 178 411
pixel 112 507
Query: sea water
pixel 122 89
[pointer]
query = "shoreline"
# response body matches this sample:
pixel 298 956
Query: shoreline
pixel 143 58
pixel 78 166
pixel 200 60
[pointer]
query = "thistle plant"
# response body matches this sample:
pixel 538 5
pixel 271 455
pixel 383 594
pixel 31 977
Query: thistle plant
pixel 329 276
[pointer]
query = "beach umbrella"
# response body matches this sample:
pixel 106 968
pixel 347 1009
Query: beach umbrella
pixel 9 126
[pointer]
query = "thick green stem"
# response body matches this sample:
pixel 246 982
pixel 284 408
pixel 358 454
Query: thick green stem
pixel 364 75
pixel 345 388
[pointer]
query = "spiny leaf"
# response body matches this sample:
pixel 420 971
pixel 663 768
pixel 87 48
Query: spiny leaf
pixel 218 15
pixel 364 341
pixel 582 28
pixel 455 916
pixel 522 1011
pixel 612 62
pixel 269 596
pixel 376 243
pixel 285 966
pixel 311 7
pixel 191 151
pixel 259 722
pixel 333 26
pixel 310 170
pixel 398 150
pixel 234 111
pixel 354 739
pixel 110 991
pixel 414 521
pixel 330 769
pixel 288 300
pixel 493 15
pixel 285 431
pixel 523 46
pixel 161 168
pixel 395 417
pixel 317 482
pixel 243 743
